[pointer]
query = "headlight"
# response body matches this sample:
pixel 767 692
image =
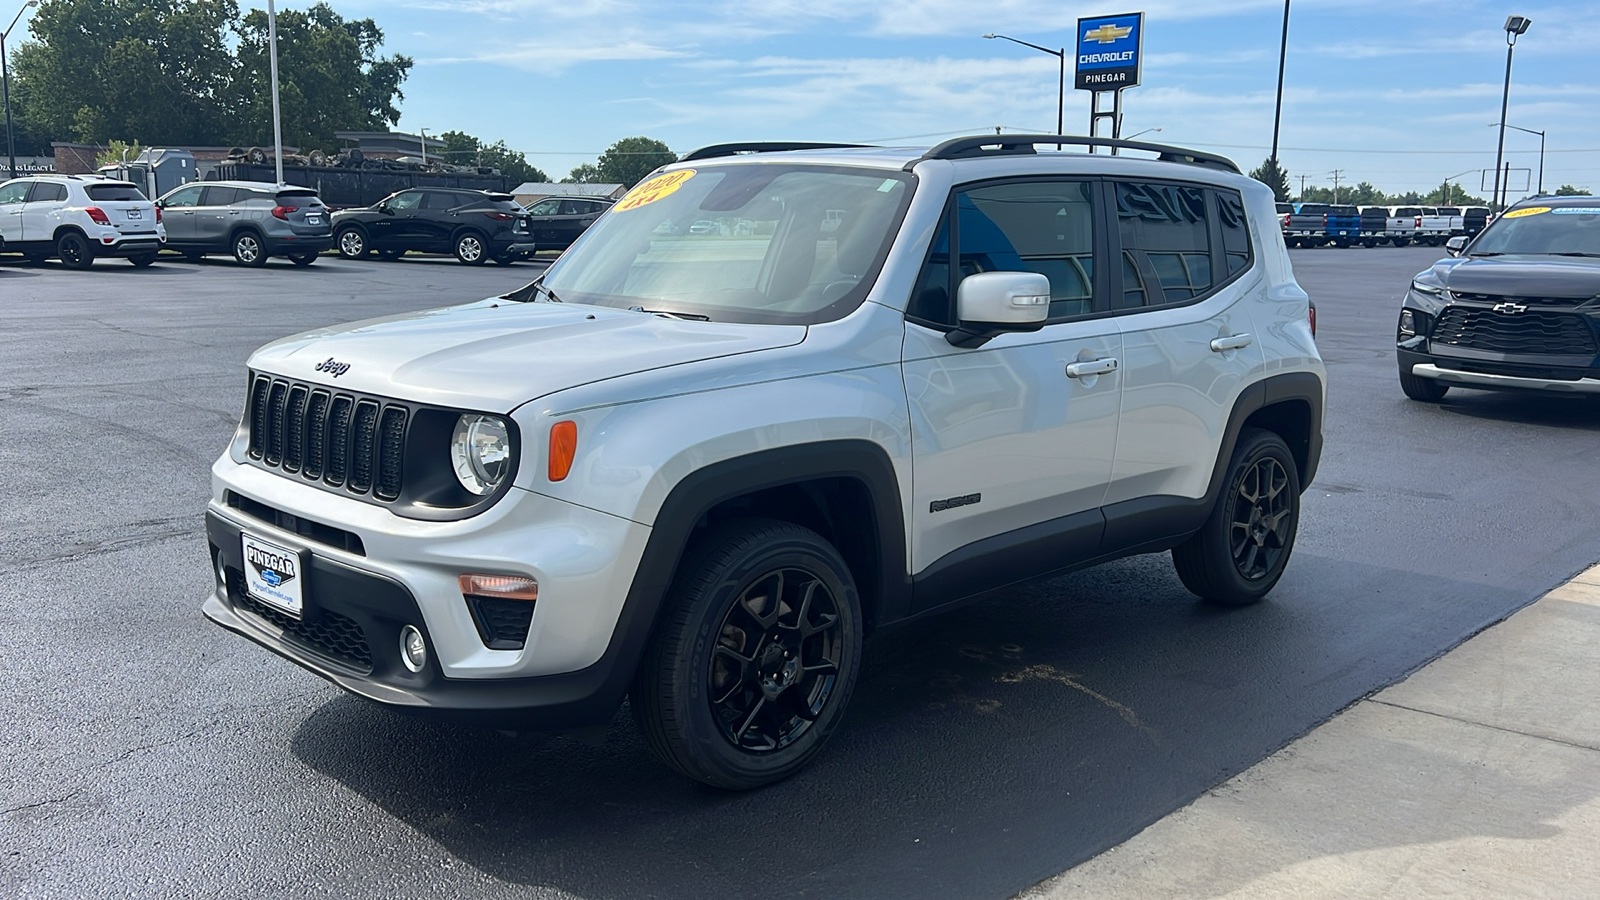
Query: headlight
pixel 480 453
pixel 1421 288
pixel 1408 324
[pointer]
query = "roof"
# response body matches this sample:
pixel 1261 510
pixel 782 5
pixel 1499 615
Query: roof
pixel 567 189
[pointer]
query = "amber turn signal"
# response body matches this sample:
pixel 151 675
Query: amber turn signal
pixel 563 447
pixel 507 587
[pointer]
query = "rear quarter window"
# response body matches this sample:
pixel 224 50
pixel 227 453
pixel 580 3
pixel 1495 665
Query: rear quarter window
pixel 111 193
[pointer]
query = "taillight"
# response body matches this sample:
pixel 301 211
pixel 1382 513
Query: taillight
pixel 98 215
pixel 282 212
pixel 1419 221
pixel 1286 220
pixel 1311 315
pixel 1324 220
pixel 500 216
pixel 158 214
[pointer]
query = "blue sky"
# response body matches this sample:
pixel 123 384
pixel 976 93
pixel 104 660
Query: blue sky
pixel 1396 93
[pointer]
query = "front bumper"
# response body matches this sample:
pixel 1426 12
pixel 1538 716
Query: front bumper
pixel 1489 381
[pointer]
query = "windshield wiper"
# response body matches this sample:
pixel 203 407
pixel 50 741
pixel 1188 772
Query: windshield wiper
pixel 1574 253
pixel 665 314
pixel 525 294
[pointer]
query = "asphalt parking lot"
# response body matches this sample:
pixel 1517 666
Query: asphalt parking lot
pixel 148 751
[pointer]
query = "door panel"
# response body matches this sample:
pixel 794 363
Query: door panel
pixel 42 213
pixel 216 216
pixel 178 211
pixel 11 200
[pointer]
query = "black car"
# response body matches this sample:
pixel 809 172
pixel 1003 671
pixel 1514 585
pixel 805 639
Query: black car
pixel 1516 308
pixel 474 225
pixel 557 221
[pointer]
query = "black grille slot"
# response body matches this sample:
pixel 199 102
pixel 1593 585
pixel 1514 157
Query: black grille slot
pixel 363 441
pixel 339 440
pixel 345 440
pixel 258 415
pixel 502 624
pixel 1530 333
pixel 294 441
pixel 316 434
pixel 391 451
pixel 327 633
pixel 275 402
pixel 348 541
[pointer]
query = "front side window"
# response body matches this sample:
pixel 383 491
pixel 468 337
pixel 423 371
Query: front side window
pixel 183 197
pixel 15 192
pixel 1166 245
pixel 739 243
pixel 545 208
pixel 405 200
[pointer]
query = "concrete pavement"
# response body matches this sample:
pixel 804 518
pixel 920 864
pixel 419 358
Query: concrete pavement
pixel 1478 776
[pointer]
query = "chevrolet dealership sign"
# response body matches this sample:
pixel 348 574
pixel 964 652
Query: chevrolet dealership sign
pixel 1108 51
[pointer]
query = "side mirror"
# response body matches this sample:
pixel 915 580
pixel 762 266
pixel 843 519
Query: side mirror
pixel 992 303
pixel 386 209
pixel 1455 245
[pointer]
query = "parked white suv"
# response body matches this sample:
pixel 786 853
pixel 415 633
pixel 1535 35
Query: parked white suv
pixel 78 219
pixel 697 469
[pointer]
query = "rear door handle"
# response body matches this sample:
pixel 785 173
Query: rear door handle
pixel 1232 342
pixel 1091 367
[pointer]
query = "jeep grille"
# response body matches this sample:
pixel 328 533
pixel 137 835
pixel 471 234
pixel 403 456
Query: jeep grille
pixel 339 438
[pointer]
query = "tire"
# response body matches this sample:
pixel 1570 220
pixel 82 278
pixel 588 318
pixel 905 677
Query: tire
pixel 717 638
pixel 74 251
pixel 352 243
pixel 302 259
pixel 471 248
pixel 142 260
pixel 505 260
pixel 1402 242
pixel 1422 390
pixel 1237 556
pixel 390 255
pixel 248 249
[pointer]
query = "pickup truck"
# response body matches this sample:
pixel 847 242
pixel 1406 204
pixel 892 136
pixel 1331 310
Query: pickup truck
pixel 1435 224
pixel 1315 224
pixel 1285 211
pixel 1474 219
pixel 1343 225
pixel 1380 225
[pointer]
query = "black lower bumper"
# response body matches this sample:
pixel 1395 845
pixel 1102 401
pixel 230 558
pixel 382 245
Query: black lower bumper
pixel 350 635
pixel 283 246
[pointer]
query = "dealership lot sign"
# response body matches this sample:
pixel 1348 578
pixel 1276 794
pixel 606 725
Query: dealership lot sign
pixel 1109 49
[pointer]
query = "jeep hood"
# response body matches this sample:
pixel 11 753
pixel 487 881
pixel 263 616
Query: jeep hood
pixel 495 355
pixel 1555 277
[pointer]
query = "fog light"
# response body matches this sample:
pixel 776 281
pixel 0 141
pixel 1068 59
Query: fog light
pixel 413 649
pixel 1408 323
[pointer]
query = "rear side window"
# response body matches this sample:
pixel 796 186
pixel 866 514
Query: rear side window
pixel 441 200
pixel 1166 246
pixel 111 193
pixel 1235 231
pixel 221 196
pixel 46 192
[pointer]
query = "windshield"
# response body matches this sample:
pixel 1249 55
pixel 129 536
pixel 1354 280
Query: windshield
pixel 1542 229
pixel 763 243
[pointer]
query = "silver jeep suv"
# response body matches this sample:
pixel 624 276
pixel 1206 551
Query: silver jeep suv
pixel 699 466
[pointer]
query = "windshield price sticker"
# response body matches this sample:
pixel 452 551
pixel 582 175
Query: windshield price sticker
pixel 1530 211
pixel 654 189
pixel 1577 211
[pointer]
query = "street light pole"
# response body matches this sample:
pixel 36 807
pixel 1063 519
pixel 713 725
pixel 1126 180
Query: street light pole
pixel 1137 133
pixel 272 51
pixel 5 85
pixel 1061 95
pixel 1541 152
pixel 1515 25
pixel 1283 56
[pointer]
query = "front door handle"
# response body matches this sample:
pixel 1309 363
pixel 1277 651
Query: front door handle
pixel 1091 367
pixel 1231 342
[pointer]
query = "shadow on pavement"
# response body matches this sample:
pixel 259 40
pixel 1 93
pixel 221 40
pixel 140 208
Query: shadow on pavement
pixel 984 750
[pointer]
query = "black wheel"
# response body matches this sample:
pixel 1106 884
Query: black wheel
pixel 505 260
pixel 390 255
pixel 1423 390
pixel 302 259
pixel 248 250
pixel 1402 242
pixel 1240 553
pixel 142 260
pixel 74 251
pixel 352 243
pixel 471 249
pixel 756 656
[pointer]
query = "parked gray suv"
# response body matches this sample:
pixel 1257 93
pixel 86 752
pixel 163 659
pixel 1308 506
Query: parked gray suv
pixel 251 220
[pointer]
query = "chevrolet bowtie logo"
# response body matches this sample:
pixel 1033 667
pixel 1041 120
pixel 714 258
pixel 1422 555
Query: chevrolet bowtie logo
pixel 1108 33
pixel 1509 308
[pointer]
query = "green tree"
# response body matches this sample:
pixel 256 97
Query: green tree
pixel 1451 194
pixel 157 70
pixel 463 149
pixel 117 152
pixel 330 77
pixel 629 160
pixel 1567 190
pixel 588 173
pixel 1273 175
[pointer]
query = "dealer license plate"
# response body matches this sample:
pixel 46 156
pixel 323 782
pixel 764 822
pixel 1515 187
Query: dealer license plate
pixel 313 220
pixel 274 575
pixel 134 214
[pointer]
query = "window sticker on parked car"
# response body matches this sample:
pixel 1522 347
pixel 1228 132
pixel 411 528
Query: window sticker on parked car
pixel 1577 211
pixel 1530 211
pixel 652 190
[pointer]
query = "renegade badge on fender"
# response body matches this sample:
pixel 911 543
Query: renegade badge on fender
pixel 776 398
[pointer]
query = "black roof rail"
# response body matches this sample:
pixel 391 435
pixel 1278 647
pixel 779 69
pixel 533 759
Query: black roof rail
pixel 1022 144
pixel 716 150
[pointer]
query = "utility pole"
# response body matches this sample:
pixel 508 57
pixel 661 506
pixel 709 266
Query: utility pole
pixel 272 55
pixel 1337 174
pixel 1302 187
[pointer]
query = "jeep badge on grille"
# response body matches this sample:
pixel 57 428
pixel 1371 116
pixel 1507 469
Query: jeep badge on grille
pixel 333 367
